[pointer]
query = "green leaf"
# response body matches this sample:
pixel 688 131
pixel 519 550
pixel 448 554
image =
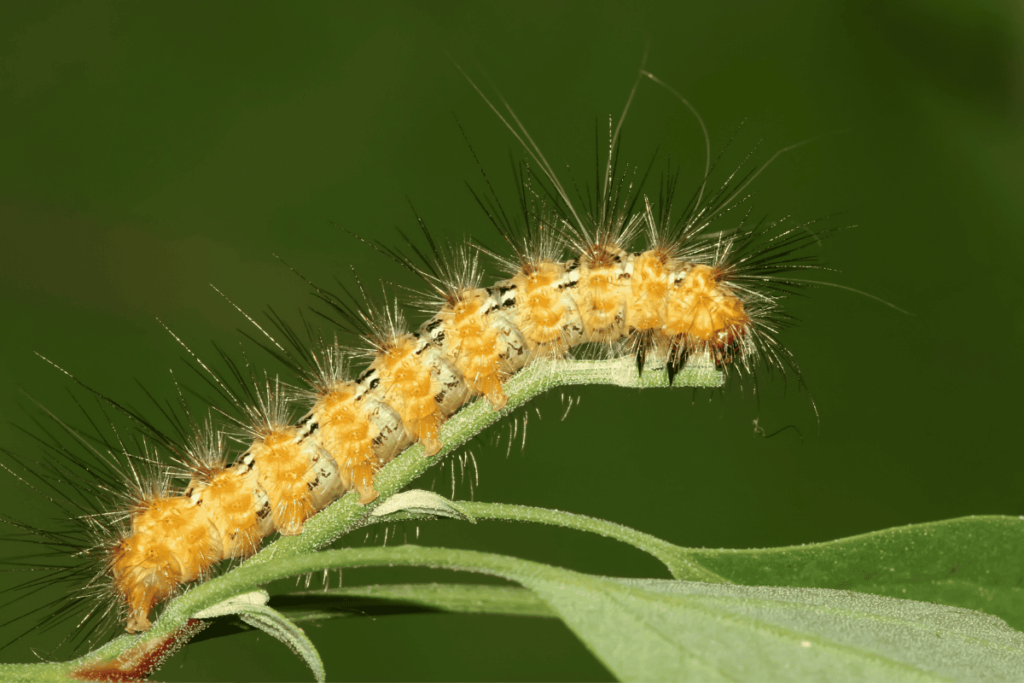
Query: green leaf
pixel 680 630
pixel 234 605
pixel 252 609
pixel 647 630
pixel 972 562
pixel 420 502
pixel 272 622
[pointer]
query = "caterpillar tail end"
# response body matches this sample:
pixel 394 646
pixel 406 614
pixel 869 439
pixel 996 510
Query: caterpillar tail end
pixel 139 662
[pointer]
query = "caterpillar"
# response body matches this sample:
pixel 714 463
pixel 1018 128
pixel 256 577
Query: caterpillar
pixel 625 273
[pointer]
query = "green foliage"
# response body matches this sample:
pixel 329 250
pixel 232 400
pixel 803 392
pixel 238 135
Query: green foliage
pixel 780 617
pixel 935 601
pixel 972 562
pixel 656 629
pixel 861 608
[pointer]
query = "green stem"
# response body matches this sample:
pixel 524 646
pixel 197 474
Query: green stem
pixel 537 378
pixel 244 579
pixel 676 558
pixel 346 514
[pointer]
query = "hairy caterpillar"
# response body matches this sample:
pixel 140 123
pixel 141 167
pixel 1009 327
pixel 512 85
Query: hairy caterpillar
pixel 689 295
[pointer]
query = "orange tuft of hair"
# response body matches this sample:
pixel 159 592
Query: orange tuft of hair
pixel 703 309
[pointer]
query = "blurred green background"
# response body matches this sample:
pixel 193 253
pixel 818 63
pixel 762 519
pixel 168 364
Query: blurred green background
pixel 152 149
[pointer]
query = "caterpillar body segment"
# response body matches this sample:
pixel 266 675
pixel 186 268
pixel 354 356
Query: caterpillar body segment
pixel 541 307
pixel 704 309
pixel 420 383
pixel 483 343
pixel 237 505
pixel 356 430
pixel 602 294
pixel 648 284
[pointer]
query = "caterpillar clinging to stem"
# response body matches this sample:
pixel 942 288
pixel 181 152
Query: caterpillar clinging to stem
pixel 630 273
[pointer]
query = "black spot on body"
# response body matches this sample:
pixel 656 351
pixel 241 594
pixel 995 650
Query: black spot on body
pixel 309 432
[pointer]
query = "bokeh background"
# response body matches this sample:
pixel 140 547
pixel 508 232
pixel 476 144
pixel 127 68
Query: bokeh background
pixel 152 149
